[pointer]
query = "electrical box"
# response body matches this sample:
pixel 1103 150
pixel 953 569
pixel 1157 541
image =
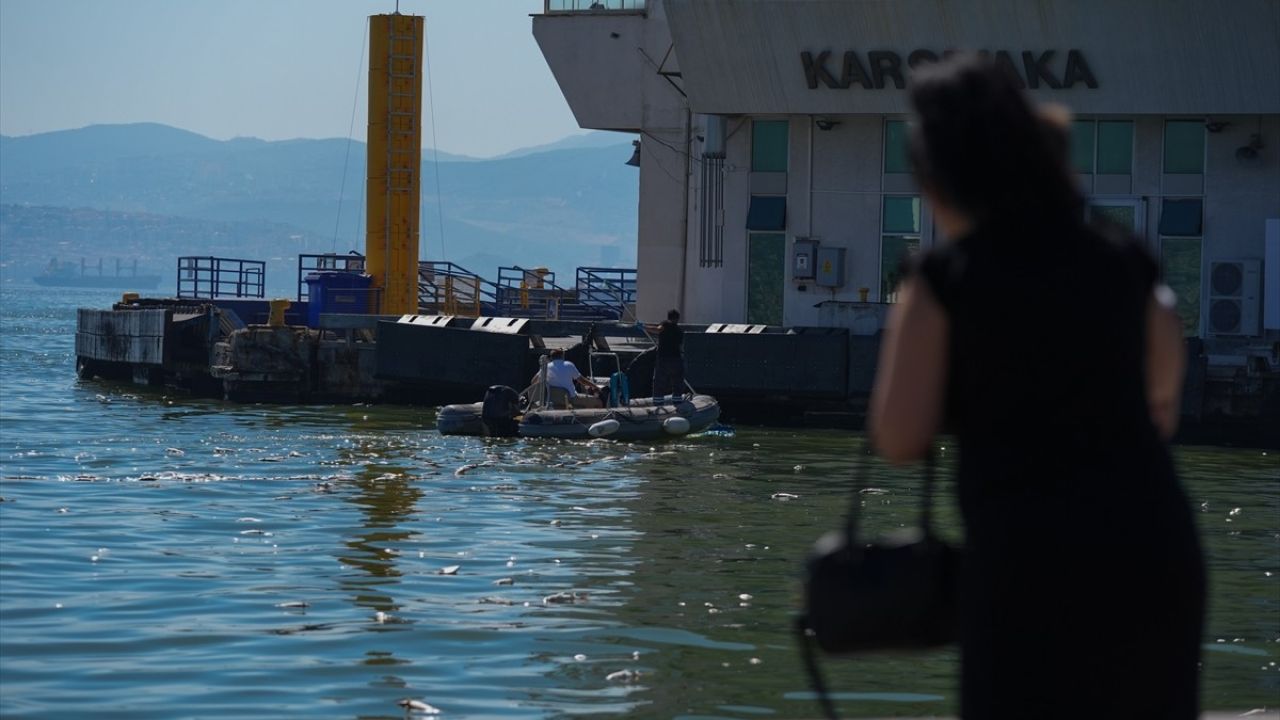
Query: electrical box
pixel 830 267
pixel 802 258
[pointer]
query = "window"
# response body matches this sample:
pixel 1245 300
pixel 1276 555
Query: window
pixel 1181 238
pixel 1102 146
pixel 1082 146
pixel 1123 214
pixel 766 264
pixel 769 146
pixel 896 159
pixel 899 240
pixel 1115 147
pixel 1184 147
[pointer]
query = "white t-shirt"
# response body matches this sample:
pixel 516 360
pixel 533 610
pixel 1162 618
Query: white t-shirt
pixel 561 374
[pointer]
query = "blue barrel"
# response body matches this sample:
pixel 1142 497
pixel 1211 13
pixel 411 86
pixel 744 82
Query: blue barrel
pixel 337 292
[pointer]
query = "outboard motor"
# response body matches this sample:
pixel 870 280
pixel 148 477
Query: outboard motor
pixel 499 410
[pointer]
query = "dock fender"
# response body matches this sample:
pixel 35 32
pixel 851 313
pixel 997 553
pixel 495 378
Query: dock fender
pixel 675 425
pixel 603 428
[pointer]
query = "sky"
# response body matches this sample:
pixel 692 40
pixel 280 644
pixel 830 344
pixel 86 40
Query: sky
pixel 272 69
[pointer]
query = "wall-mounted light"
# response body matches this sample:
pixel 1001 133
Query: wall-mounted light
pixel 825 123
pixel 1215 126
pixel 635 154
pixel 1250 151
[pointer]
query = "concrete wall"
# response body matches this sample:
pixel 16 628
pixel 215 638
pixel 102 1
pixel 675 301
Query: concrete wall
pixel 617 73
pixel 603 77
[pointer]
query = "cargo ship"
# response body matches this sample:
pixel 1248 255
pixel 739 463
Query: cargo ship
pixel 84 275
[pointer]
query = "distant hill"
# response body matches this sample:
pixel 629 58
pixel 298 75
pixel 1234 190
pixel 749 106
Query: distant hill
pixel 561 205
pixel 585 140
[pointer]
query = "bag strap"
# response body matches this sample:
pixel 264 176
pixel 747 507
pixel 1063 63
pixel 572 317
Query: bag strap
pixel 861 470
pixel 804 636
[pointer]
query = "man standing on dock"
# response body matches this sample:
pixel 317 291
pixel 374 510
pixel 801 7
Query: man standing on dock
pixel 668 371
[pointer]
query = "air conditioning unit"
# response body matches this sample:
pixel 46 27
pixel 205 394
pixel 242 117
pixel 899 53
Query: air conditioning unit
pixel 1234 297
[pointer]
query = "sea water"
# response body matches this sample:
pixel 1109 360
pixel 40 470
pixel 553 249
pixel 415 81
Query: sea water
pixel 163 557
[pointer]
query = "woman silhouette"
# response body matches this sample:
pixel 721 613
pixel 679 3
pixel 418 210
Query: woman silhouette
pixel 1051 351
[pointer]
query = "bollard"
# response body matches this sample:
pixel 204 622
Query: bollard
pixel 278 306
pixel 862 294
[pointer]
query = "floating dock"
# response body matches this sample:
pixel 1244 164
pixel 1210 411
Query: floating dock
pixel 217 339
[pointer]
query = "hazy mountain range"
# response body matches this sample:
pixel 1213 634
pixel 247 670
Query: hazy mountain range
pixel 154 192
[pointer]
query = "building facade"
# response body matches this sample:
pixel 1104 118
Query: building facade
pixel 774 183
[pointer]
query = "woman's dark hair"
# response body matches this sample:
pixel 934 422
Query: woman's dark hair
pixel 673 315
pixel 980 146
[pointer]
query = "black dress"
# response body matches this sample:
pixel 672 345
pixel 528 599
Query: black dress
pixel 1083 589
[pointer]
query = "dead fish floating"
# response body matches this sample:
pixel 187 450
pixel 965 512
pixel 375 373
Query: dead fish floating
pixel 565 598
pixel 449 570
pixel 419 707
pixel 623 676
pixel 293 605
pixel 783 496
pixel 505 581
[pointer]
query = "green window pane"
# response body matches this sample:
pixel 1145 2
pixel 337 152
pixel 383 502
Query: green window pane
pixel 1115 147
pixel 895 147
pixel 1180 258
pixel 1082 146
pixel 766 263
pixel 894 249
pixel 1124 216
pixel 901 214
pixel 769 146
pixel 1184 147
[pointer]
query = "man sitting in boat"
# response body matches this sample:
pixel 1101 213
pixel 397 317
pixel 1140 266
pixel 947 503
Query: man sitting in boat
pixel 563 381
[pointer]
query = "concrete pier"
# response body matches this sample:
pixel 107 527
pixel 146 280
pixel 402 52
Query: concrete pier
pixel 770 375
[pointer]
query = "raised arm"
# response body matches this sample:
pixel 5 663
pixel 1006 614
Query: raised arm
pixel 907 399
pixel 1166 361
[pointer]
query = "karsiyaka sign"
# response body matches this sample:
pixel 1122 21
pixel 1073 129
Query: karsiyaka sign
pixel 885 65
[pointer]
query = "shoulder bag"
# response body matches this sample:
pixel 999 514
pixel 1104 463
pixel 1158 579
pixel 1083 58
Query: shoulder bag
pixel 896 593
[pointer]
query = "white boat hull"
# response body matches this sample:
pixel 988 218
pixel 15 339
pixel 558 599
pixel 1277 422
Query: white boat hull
pixel 641 419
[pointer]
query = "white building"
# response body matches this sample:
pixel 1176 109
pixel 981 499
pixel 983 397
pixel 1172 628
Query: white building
pixel 773 177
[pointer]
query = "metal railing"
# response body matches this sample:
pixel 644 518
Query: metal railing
pixel 610 288
pixel 352 262
pixel 216 277
pixel 550 7
pixel 447 288
pixel 529 292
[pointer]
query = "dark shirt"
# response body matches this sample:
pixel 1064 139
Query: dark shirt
pixel 670 338
pixel 1046 350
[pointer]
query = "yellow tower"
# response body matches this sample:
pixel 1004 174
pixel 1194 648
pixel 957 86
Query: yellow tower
pixel 395 158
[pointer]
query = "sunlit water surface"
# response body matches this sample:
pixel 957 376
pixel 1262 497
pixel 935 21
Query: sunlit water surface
pixel 163 557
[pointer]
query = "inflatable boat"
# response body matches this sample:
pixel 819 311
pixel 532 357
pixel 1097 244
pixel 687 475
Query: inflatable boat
pixel 639 419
